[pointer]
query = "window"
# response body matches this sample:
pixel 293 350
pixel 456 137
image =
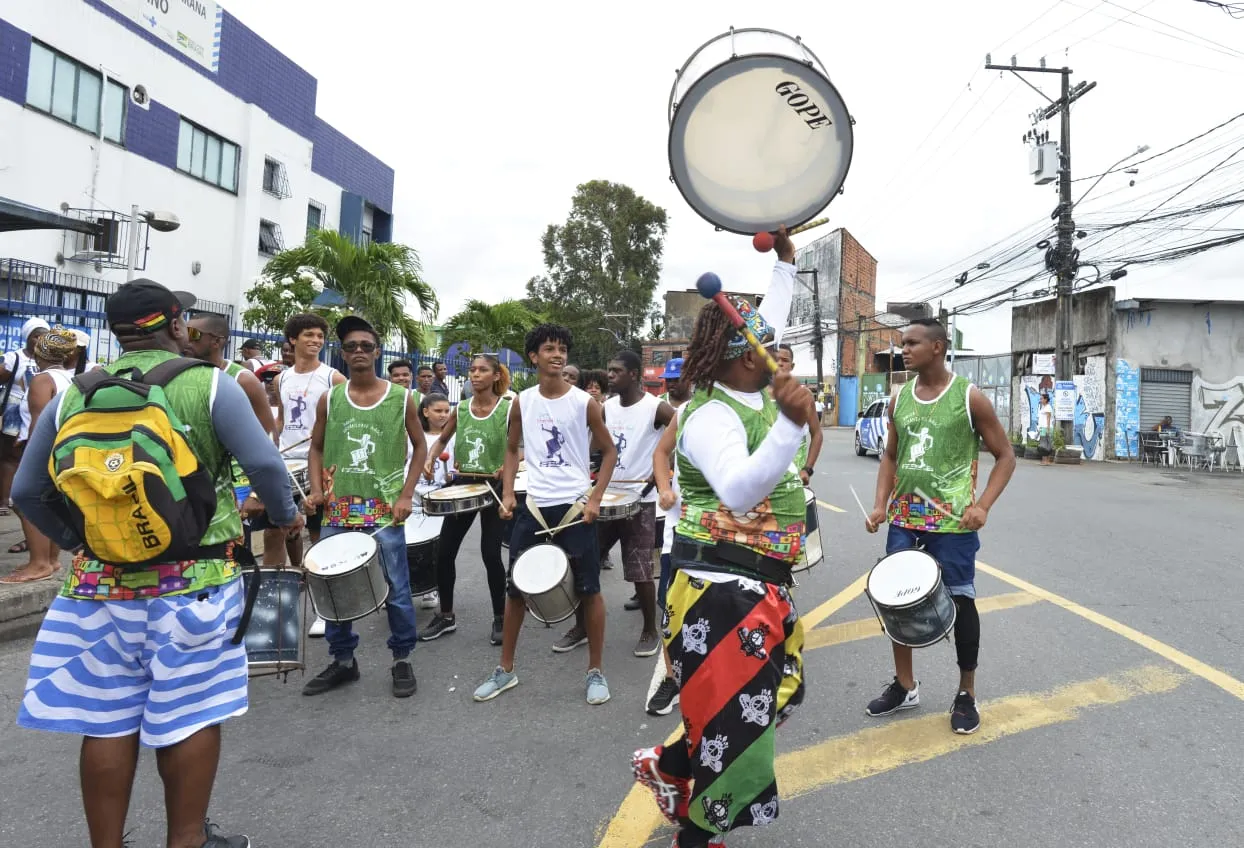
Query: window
pixel 70 91
pixel 207 156
pixel 270 242
pixel 275 182
pixel 315 217
pixel 366 239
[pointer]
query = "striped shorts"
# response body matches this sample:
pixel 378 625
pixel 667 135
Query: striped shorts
pixel 164 668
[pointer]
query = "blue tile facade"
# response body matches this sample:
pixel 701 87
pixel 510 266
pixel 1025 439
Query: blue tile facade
pixel 336 158
pixel 152 133
pixel 14 62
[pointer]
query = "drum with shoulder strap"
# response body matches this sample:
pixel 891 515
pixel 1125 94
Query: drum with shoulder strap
pixel 913 605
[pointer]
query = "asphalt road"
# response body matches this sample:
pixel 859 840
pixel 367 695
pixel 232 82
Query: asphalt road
pixel 1107 706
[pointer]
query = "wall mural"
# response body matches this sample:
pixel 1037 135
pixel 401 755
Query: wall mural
pixel 1126 409
pixel 1219 408
pixel 1089 424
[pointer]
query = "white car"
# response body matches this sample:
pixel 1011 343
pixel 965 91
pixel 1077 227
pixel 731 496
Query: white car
pixel 872 429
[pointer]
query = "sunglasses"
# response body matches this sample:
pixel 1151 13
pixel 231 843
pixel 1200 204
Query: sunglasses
pixel 366 347
pixel 196 334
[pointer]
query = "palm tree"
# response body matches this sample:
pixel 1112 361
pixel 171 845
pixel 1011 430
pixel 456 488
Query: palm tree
pixel 377 281
pixel 490 327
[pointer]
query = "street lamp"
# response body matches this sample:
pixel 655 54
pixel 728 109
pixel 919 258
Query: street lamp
pixel 817 338
pixel 161 222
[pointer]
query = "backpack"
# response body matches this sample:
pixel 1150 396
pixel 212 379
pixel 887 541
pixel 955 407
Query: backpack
pixel 131 485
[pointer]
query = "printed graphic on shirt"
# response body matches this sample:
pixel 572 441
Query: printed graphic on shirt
pixel 298 406
pixel 360 455
pixel 553 444
pixel 619 442
pixel 476 451
pixel 921 444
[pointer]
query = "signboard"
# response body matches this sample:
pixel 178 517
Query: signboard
pixel 191 27
pixel 1064 400
pixel 1043 363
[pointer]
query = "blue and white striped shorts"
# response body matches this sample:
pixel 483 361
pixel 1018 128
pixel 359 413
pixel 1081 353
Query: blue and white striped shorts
pixel 164 668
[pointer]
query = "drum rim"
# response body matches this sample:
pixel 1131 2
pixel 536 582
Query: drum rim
pixel 932 589
pixel 733 226
pixel 519 558
pixel 432 495
pixel 954 617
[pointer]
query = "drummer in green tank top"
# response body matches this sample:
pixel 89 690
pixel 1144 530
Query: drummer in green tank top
pixel 926 491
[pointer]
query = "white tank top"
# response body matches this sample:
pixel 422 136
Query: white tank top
pixel 555 445
pixel 300 394
pixel 635 435
pixel 62 379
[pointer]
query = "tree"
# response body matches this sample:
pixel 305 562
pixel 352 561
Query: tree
pixel 490 327
pixel 605 260
pixel 377 281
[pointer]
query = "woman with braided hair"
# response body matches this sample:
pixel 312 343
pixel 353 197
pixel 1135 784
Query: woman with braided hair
pixel 50 353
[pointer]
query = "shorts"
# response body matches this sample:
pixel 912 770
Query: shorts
pixel 164 668
pixel 639 539
pixel 12 420
pixel 954 552
pixel 578 542
pixel 314 521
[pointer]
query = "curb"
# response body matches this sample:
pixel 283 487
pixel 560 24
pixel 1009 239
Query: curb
pixel 22 607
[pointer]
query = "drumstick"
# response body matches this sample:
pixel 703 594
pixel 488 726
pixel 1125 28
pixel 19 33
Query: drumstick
pixel 558 528
pixel 294 479
pixel 296 444
pixel 858 501
pixel 709 285
pixel 803 227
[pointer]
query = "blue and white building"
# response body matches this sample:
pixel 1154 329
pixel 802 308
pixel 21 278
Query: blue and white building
pixel 173 106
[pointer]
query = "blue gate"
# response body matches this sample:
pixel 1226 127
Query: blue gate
pixel 848 400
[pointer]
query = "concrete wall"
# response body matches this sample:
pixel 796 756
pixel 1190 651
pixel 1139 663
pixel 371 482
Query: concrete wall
pixel 1032 326
pixel 682 307
pixel 825 255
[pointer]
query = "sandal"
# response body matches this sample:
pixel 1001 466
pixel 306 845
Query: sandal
pixel 20 548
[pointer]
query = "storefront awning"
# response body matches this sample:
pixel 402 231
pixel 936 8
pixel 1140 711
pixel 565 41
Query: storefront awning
pixel 18 216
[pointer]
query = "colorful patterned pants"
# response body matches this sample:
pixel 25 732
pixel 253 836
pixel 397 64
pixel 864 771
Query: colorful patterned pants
pixel 735 650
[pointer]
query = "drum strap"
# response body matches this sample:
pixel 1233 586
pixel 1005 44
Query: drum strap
pixel 246 559
pixel 571 514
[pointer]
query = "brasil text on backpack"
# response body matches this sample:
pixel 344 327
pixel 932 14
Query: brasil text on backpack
pixel 131 485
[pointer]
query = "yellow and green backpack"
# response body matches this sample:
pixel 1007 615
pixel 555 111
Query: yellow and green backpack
pixel 130 482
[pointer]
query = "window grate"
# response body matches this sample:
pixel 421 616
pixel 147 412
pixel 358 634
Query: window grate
pixel 270 241
pixel 275 180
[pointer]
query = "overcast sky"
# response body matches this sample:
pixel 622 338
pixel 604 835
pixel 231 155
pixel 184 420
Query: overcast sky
pixel 492 113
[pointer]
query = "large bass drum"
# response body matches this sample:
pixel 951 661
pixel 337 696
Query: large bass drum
pixel 759 136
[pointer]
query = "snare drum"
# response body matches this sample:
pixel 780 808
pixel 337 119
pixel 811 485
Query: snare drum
pixel 617 504
pixel 520 495
pixel 299 475
pixel 455 500
pixel 812 553
pixel 422 534
pixel 914 607
pixel 758 135
pixel 274 637
pixel 543 574
pixel 345 577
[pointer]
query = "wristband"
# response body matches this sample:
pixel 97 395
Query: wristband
pixel 807 469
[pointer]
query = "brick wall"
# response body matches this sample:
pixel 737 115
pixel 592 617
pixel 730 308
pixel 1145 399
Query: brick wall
pixel 14 62
pixel 857 297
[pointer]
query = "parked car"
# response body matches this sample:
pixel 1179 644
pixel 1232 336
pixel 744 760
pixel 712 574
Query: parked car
pixel 872 429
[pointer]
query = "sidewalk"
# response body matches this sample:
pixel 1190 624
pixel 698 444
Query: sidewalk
pixel 22 606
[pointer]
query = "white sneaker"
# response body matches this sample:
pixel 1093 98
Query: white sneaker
pixel 317 628
pixel 432 600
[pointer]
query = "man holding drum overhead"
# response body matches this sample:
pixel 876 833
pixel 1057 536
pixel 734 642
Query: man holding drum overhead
pixel 360 476
pixel 926 489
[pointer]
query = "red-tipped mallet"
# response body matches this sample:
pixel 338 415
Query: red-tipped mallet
pixel 709 285
pixel 763 242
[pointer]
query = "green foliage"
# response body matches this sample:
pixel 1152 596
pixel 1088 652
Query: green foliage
pixel 1017 438
pixel 523 380
pixel 605 260
pixel 1060 441
pixel 490 327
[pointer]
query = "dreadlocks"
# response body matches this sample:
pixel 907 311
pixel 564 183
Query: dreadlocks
pixel 709 339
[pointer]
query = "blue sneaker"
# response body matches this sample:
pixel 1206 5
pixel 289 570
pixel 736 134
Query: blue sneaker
pixel 597 687
pixel 499 682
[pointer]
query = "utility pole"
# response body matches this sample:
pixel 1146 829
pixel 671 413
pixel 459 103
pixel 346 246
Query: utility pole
pixel 1064 260
pixel 861 356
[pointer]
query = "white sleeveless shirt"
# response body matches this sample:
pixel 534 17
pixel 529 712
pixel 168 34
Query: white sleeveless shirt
pixel 300 395
pixel 61 379
pixel 556 444
pixel 635 435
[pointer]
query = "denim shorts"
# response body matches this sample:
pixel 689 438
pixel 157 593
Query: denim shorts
pixel 578 542
pixel 955 552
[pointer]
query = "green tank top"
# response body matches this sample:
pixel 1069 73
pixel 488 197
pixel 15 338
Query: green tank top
pixel 240 480
pixel 937 453
pixel 774 526
pixel 367 447
pixel 190 396
pixel 479 444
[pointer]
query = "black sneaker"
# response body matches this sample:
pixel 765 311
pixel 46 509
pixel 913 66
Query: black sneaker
pixel 632 604
pixel 330 678
pixel 498 628
pixel 964 717
pixel 571 639
pixel 438 627
pixel 404 684
pixel 219 840
pixel 893 699
pixel 664 699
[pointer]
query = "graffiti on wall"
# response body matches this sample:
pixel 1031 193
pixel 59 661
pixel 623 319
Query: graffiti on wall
pixel 1219 408
pixel 1089 424
pixel 1126 409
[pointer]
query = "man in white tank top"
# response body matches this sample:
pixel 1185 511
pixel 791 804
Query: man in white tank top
pixel 556 424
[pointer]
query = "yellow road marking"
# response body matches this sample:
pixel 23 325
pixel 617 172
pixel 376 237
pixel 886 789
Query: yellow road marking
pixel 1179 658
pixel 888 746
pixel 837 602
pixel 864 628
pixel 830 506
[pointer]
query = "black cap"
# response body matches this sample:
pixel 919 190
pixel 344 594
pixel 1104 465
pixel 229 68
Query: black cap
pixel 353 323
pixel 145 305
pixel 255 343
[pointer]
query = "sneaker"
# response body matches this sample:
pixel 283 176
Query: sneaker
pixel 432 600
pixel 317 628
pixel 718 841
pixel 632 605
pixel 664 699
pixel 597 687
pixel 438 627
pixel 498 628
pixel 496 684
pixel 964 717
pixel 648 645
pixel 404 684
pixel 893 699
pixel 215 839
pixel 606 564
pixel 571 639
pixel 673 794
pixel 330 678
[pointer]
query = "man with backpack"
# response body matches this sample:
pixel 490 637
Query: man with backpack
pixel 141 645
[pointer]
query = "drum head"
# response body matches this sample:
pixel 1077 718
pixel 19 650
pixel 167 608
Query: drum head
pixel 520 483
pixel 422 528
pixel 466 490
pixel 339 554
pixel 539 569
pixel 903 578
pixel 295 465
pixel 759 141
pixel 617 497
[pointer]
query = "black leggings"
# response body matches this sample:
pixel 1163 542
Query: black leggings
pixel 967 632
pixel 453 531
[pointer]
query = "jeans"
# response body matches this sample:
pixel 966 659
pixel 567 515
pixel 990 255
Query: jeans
pixel 341 638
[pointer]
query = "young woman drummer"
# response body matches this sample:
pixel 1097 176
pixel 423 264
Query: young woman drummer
pixel 480 429
pixel 434 414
